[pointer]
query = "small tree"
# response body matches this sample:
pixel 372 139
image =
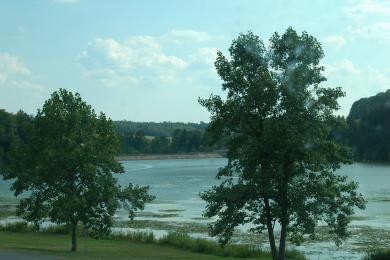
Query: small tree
pixel 67 168
pixel 277 120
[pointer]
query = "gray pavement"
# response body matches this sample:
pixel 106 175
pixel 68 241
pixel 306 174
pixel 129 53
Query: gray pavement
pixel 23 255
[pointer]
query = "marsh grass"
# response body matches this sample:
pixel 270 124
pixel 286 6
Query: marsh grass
pixel 198 245
pixel 142 237
pixel 7 213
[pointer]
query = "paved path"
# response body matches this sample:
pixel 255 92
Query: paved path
pixel 18 255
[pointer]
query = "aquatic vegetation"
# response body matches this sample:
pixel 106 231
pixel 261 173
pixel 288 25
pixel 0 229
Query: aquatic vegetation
pixel 171 210
pixel 7 213
pixel 184 227
pixel 200 218
pixel 155 215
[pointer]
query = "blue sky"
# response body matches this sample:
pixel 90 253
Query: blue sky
pixel 151 60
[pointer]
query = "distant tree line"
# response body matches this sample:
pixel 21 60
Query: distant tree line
pixel 134 137
pixel 157 129
pixel 366 130
pixel 180 141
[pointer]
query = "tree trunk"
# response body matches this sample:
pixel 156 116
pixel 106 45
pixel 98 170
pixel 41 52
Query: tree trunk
pixel 282 242
pixel 270 229
pixel 284 214
pixel 74 238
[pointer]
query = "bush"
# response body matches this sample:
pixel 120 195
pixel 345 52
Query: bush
pixel 199 245
pixel 21 227
pixel 58 229
pixel 143 237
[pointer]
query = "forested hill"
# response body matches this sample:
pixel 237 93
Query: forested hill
pixel 156 129
pixel 369 128
pixel 161 138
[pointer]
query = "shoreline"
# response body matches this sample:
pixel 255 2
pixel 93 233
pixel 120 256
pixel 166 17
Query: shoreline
pixel 170 156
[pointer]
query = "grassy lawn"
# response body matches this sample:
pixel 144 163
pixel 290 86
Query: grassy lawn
pixel 59 245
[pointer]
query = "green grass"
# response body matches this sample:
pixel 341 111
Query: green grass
pixel 58 245
pixel 177 241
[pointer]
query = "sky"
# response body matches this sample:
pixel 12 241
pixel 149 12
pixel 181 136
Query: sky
pixel 151 60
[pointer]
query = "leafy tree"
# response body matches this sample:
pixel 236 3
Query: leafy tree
pixel 178 143
pixel 140 142
pixel 277 119
pixel 159 144
pixel 67 168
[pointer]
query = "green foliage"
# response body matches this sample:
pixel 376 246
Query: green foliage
pixel 277 119
pixel 369 128
pixel 14 129
pixel 156 129
pixel 67 167
pixel 181 141
pixel 378 255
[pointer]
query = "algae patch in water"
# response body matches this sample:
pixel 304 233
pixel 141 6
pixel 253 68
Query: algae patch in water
pixel 183 227
pixel 156 215
pixel 171 210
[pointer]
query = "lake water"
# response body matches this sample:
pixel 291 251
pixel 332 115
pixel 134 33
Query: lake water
pixel 177 183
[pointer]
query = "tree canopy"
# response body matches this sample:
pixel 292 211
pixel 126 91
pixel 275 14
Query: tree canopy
pixel 66 168
pixel 277 119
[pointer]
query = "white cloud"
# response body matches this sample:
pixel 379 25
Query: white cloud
pixel 136 52
pixel 144 60
pixel 343 66
pixel 368 7
pixel 14 75
pixel 379 31
pixel 204 55
pixel 336 40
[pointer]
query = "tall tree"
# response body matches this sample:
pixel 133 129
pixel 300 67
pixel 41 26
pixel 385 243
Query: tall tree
pixel 67 168
pixel 277 120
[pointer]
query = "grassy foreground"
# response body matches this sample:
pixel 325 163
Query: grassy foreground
pixel 55 240
pixel 58 245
